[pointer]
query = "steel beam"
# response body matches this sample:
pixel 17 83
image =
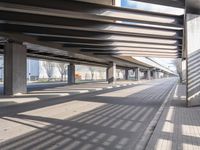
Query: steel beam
pixel 141 55
pixel 117 46
pixel 74 21
pixel 31 29
pixel 90 11
pixel 132 48
pixel 133 51
pixel 108 42
pixel 80 24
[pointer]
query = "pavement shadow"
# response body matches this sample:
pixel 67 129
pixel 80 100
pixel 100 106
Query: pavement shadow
pixel 178 127
pixel 117 124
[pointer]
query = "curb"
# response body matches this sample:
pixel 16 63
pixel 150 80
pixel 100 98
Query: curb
pixel 150 129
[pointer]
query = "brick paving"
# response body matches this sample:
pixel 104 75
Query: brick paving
pixel 47 91
pixel 178 127
pixel 112 119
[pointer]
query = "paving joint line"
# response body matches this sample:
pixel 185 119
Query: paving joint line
pixel 150 129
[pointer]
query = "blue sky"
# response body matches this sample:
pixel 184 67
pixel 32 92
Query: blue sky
pixel 151 7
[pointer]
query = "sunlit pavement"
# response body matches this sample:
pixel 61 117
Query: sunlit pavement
pixel 108 119
pixel 43 91
pixel 179 126
pixel 38 86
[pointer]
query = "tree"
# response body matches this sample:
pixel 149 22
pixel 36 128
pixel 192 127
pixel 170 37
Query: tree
pixel 118 71
pixel 62 67
pixel 49 66
pixel 101 72
pixel 92 70
pixel 178 65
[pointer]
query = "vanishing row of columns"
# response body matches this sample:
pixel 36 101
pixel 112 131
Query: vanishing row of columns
pixel 111 73
pixel 15 63
pixel 15 70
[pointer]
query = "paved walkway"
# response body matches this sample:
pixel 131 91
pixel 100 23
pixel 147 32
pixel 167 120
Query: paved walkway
pixel 178 127
pixel 33 86
pixel 39 91
pixel 110 119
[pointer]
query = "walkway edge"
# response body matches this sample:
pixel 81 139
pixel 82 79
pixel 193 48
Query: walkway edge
pixel 150 129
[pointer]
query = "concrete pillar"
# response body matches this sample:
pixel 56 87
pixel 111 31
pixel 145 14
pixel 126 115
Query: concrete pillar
pixel 14 69
pixel 126 74
pixel 155 75
pixel 193 59
pixel 148 74
pixel 71 73
pixel 158 74
pixel 165 75
pixel 137 74
pixel 111 73
pixel 145 74
pixel 107 74
pixel 183 71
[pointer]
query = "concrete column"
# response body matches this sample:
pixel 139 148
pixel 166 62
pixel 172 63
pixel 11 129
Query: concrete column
pixel 111 73
pixel 137 74
pixel 145 74
pixel 165 75
pixel 107 74
pixel 158 74
pixel 71 73
pixel 14 69
pixel 183 71
pixel 154 74
pixel 148 74
pixel 193 59
pixel 126 74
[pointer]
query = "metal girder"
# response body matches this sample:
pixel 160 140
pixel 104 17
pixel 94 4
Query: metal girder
pixel 37 31
pixel 29 28
pixel 108 37
pixel 57 49
pixel 50 47
pixel 106 41
pixel 83 25
pixel 69 45
pixel 77 45
pixel 124 50
pixel 90 11
pixel 139 54
pixel 134 51
pixel 171 3
pixel 116 46
pixel 122 62
pixel 95 17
